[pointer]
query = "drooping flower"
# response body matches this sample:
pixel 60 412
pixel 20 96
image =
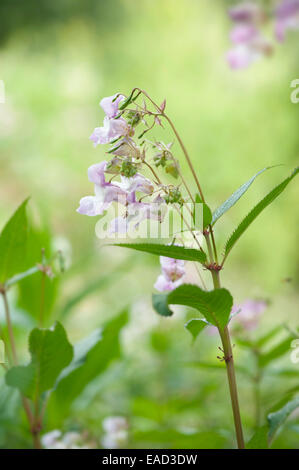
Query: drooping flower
pixel 105 192
pixel 137 212
pixel 137 183
pixel 287 18
pixel 111 129
pixel 110 104
pixel 173 272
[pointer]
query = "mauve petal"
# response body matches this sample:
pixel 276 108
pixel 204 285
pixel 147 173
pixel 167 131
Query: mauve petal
pixel 96 173
pixel 111 107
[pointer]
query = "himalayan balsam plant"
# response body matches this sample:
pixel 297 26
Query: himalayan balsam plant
pixel 136 176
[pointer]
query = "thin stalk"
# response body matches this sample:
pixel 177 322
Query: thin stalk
pixel 186 156
pixel 231 376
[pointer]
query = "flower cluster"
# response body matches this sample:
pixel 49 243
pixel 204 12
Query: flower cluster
pixel 120 179
pixel 173 272
pixel 249 43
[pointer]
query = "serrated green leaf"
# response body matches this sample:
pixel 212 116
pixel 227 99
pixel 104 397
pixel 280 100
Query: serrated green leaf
pixel 231 201
pixel 277 419
pixel 266 201
pixel 195 326
pixel 259 440
pixel 92 357
pixel 214 305
pixel 171 251
pixel 50 353
pixel 13 240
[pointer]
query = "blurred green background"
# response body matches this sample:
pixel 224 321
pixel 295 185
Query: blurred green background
pixel 58 59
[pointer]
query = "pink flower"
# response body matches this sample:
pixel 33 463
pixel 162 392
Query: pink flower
pixel 96 173
pixel 173 272
pixel 112 129
pixel 287 18
pixel 105 193
pixel 137 212
pixel 136 183
pixel 110 105
pixel 104 196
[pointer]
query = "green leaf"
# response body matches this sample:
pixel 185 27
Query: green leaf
pixel 92 357
pixel 30 288
pixel 50 353
pixel 13 240
pixel 277 419
pixel 268 336
pixel 214 305
pixel 207 215
pixel 259 440
pixel 171 251
pixel 231 201
pixel 271 196
pixel 195 326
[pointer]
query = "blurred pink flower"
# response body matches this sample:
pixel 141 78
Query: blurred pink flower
pixel 246 12
pixel 243 33
pixel 110 104
pixel 287 18
pixel 249 315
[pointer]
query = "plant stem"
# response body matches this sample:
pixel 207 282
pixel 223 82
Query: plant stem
pixel 229 361
pixel 186 156
pixel 231 376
